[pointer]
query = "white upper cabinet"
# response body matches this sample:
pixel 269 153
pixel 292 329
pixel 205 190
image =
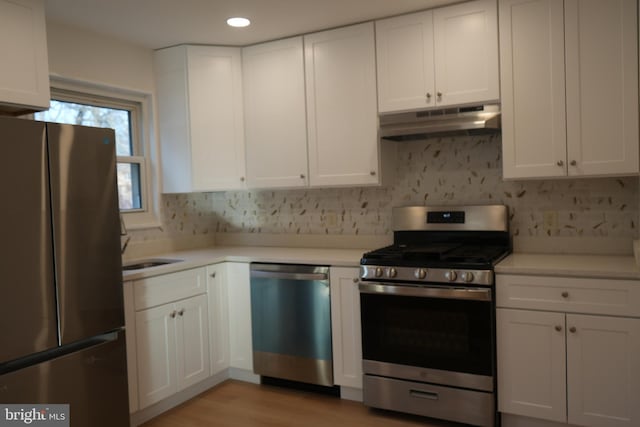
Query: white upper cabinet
pixel 601 42
pixel 24 74
pixel 310 109
pixel 466 53
pixel 534 131
pixel 439 58
pixel 275 111
pixel 406 74
pixel 201 118
pixel 341 106
pixel 569 76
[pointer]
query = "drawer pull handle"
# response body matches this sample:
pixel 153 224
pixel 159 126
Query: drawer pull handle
pixel 565 294
pixel 181 312
pixel 424 394
pixel 213 275
pixel 558 328
pixel 173 314
pixel 572 329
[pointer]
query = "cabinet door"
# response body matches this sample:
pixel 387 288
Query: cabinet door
pixel 345 327
pixel 201 121
pixel 603 371
pixel 218 318
pixel 156 346
pixel 533 88
pixel 24 74
pixel 216 124
pixel 404 47
pixel 342 114
pixel 466 53
pixel 192 341
pixel 531 351
pixel 276 129
pixel 131 341
pixel 602 86
pixel 240 347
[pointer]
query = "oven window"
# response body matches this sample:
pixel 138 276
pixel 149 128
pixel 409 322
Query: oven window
pixel 446 334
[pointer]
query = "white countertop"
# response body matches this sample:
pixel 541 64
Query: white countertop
pixel 606 266
pixel 202 257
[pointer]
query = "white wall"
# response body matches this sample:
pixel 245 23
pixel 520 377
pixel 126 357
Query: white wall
pixel 91 57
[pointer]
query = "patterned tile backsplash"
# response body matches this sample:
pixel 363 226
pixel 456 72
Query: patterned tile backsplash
pixel 436 171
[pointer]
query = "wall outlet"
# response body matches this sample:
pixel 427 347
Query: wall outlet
pixel 330 219
pixel 550 220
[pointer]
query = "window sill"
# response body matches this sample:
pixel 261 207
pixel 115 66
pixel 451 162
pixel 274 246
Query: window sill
pixel 140 220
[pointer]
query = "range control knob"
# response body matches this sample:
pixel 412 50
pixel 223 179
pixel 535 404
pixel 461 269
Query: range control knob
pixel 378 272
pixel 467 276
pixel 451 275
pixel 392 272
pixel 420 273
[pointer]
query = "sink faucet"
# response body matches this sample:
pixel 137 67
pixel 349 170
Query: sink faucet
pixel 123 232
pixel 124 247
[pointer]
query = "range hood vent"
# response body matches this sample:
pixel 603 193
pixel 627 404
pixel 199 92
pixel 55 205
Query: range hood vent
pixel 481 119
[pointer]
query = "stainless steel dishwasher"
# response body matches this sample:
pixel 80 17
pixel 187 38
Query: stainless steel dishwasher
pixel 291 322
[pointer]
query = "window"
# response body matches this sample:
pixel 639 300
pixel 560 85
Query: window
pixel 121 115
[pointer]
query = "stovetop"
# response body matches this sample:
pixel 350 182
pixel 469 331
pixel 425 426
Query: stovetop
pixel 445 244
pixel 437 255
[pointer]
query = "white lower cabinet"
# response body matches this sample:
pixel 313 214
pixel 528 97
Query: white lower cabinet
pixel 173 342
pixel 345 327
pixel 172 338
pixel 238 285
pixel 218 317
pixel 531 363
pixel 557 365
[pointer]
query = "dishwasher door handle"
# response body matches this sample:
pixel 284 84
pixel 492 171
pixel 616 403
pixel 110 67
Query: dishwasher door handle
pixel 288 276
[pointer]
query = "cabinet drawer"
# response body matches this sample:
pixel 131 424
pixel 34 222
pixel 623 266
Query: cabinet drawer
pixel 169 287
pixel 569 294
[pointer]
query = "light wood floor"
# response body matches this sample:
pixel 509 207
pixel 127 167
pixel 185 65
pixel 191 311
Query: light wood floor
pixel 240 404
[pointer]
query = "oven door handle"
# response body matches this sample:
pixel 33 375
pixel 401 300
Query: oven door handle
pixel 426 292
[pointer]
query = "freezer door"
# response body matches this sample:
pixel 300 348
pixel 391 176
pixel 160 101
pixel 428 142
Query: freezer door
pixel 27 293
pixel 93 381
pixel 86 230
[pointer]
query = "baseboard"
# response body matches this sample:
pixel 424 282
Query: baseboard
pixel 156 409
pixel 350 393
pixel 244 375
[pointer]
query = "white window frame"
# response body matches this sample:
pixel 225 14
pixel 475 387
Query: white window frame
pixel 140 105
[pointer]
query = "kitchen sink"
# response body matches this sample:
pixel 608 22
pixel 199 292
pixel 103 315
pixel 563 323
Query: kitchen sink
pixel 148 263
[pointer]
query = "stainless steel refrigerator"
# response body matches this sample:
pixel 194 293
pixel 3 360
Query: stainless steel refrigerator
pixel 61 305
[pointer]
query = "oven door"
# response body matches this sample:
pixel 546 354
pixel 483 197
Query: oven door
pixel 434 334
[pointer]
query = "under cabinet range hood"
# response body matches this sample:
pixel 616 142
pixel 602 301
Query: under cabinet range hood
pixel 481 119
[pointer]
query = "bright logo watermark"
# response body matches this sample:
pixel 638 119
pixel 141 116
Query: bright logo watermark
pixel 34 415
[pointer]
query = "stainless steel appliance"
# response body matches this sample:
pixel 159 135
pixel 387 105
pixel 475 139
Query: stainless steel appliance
pixel 469 120
pixel 428 313
pixel 61 304
pixel 291 322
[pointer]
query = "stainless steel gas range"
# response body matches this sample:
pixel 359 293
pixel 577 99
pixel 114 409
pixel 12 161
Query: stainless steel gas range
pixel 428 313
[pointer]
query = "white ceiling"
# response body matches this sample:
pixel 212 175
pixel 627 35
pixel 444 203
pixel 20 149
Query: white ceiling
pixel 160 23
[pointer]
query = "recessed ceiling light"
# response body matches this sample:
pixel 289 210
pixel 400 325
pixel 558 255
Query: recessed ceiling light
pixel 238 22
